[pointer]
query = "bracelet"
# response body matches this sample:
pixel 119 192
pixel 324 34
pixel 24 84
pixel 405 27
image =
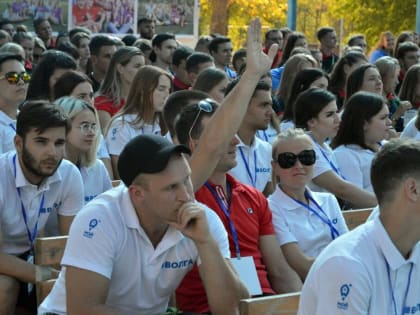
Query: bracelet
pixel 42 273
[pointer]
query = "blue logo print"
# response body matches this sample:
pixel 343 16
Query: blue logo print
pixel 92 224
pixel 344 292
pixel 113 133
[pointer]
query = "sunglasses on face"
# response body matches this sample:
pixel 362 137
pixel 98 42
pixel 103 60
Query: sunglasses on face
pixel 288 159
pixel 203 106
pixel 14 77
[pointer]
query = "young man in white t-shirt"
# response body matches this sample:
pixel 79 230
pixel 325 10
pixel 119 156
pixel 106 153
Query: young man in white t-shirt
pixel 374 269
pixel 36 184
pixel 130 247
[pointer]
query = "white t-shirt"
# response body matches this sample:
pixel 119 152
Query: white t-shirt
pixel 254 164
pixel 295 223
pixel 7 133
pixel 63 194
pixel 95 180
pixel 354 163
pixel 411 131
pixel 325 161
pixel 102 149
pixel 106 238
pixel 350 276
pixel 286 124
pixel 121 131
pixel 268 135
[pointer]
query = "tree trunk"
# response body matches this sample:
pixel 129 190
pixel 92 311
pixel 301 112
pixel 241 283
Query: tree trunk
pixel 220 16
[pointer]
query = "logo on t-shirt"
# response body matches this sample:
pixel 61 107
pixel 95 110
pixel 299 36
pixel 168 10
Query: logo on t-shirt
pixel 177 264
pixel 113 133
pixel 344 292
pixel 92 224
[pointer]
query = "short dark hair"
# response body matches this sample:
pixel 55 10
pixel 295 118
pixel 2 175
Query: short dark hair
pixel 240 53
pixel 324 31
pixel 79 29
pixel 69 48
pixel 38 22
pixel 98 41
pixel 67 82
pixel 309 104
pixel 195 59
pixel 39 87
pixel 181 53
pixel 354 38
pixel 208 79
pixel 192 114
pixel 143 20
pixel 404 48
pixel 261 85
pixel 271 30
pixel 129 39
pixel 215 42
pixel 360 108
pixel 157 41
pixel 40 115
pixel 397 160
pixel 176 102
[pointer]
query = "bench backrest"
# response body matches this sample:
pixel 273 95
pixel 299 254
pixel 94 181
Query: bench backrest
pixel 48 252
pixel 281 304
pixel 356 217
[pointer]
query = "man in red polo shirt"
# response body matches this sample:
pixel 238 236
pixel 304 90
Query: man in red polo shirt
pixel 274 36
pixel 245 214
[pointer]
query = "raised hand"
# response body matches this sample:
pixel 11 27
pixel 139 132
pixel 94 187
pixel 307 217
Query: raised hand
pixel 257 62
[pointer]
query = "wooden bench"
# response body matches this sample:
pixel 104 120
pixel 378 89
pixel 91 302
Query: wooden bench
pixel 115 183
pixel 356 217
pixel 48 252
pixel 281 304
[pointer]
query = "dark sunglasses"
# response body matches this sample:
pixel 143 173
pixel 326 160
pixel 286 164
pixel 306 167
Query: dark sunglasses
pixel 14 77
pixel 288 159
pixel 205 105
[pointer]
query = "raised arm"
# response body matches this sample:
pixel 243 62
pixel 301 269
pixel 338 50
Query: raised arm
pixel 226 121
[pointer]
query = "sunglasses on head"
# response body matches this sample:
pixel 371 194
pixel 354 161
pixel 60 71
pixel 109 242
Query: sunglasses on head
pixel 14 77
pixel 205 105
pixel 288 159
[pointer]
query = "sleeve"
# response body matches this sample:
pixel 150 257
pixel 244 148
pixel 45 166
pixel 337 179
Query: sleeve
pixel 349 166
pixel 73 199
pixel 265 217
pixel 117 137
pixel 410 130
pixel 102 103
pixel 91 243
pixel 106 181
pixel 321 164
pixel 339 286
pixel 218 232
pixel 283 232
pixel 337 214
pixel 102 149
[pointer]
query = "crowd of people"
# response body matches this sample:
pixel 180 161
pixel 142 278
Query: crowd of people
pixel 234 170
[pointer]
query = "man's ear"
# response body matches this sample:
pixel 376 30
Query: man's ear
pixel 412 189
pixel 18 141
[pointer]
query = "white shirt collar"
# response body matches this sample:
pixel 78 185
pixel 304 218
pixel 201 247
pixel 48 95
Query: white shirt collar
pixel 6 119
pixel 287 203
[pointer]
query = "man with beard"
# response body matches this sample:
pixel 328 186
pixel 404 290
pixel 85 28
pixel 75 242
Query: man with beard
pixel 32 189
pixel 14 82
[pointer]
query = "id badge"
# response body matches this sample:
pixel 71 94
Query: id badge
pixel 30 259
pixel 247 272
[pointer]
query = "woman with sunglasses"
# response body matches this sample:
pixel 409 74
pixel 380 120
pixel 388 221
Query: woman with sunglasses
pixel 305 221
pixel 364 125
pixel 315 111
pixel 142 112
pixel 82 143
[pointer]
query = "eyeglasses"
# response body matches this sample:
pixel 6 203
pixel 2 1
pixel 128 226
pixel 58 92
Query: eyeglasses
pixel 205 105
pixel 85 128
pixel 14 77
pixel 288 159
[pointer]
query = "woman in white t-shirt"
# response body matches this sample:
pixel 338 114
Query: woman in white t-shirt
pixel 82 143
pixel 315 110
pixel 364 125
pixel 141 114
pixel 305 221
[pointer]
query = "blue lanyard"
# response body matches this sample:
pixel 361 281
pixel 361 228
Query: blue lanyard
pixel 334 232
pixel 335 168
pixel 31 235
pixel 248 170
pixel 12 126
pixel 223 205
pixel 394 303
pixel 264 134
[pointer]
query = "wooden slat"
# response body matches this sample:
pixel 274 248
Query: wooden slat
pixel 282 304
pixel 49 250
pixel 354 218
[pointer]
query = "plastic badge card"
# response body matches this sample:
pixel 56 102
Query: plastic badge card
pixel 245 267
